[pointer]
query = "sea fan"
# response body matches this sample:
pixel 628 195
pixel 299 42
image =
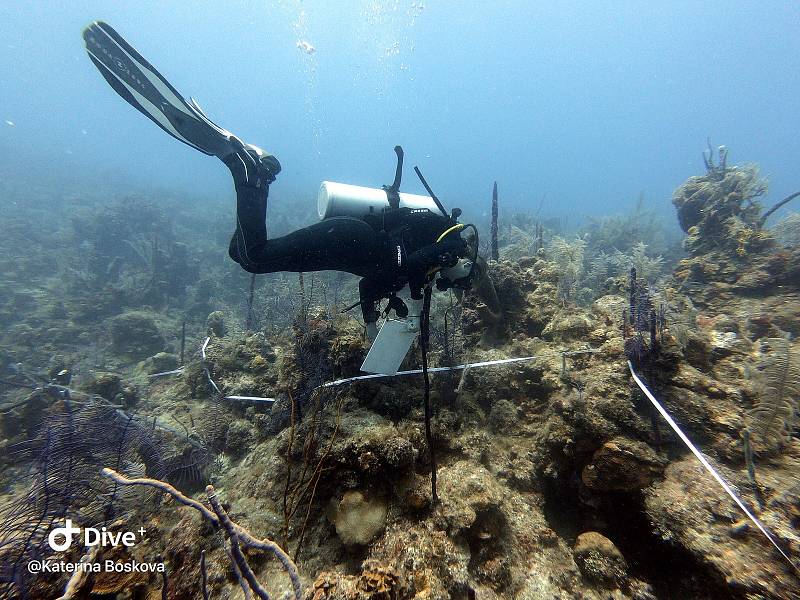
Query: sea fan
pixel 648 267
pixel 77 439
pixel 787 231
pixel 771 421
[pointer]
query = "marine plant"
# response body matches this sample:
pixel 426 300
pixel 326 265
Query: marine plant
pixel 81 434
pixel 770 423
pixel 279 298
pixel 602 267
pixel 132 248
pixel 568 257
pixel 521 242
pixel 787 230
pixel 721 208
pixel 495 254
pixel 307 449
pixel 306 460
pixel 778 205
pixel 313 366
pixel 620 233
pixel 447 340
pixel 216 419
pixel 642 330
pixel 642 323
pixel 648 268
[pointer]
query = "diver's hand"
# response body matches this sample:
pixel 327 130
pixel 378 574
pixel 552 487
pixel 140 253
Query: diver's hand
pixel 450 249
pixel 429 259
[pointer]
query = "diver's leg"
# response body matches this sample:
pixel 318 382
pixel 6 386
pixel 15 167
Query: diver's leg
pixel 251 228
pixel 252 172
pixel 369 292
pixel 336 244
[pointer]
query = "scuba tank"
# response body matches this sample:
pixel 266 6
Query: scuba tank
pixel 343 200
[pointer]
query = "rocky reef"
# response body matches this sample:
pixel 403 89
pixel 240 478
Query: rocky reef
pixel 556 478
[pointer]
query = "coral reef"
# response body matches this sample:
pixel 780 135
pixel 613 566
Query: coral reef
pixel 238 538
pixel 135 334
pixel 599 559
pixel 555 477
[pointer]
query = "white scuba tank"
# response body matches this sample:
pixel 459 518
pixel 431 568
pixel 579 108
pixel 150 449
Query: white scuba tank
pixel 343 200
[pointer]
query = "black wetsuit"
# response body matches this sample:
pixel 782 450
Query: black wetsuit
pixel 388 250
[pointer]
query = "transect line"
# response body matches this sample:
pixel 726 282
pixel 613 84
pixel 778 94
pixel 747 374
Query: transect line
pixel 699 455
pixel 338 382
pixel 486 363
pixel 250 398
pixel 211 381
pixel 165 373
pixel 707 465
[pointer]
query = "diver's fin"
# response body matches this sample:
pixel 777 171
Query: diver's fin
pixel 142 86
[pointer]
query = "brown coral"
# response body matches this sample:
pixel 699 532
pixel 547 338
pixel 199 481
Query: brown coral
pixel 324 585
pixel 378 581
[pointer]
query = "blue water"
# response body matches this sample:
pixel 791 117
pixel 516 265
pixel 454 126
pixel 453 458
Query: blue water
pixel 579 106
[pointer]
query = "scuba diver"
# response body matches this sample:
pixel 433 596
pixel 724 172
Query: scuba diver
pixel 389 239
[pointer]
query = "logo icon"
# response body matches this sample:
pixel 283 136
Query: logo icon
pixel 65 532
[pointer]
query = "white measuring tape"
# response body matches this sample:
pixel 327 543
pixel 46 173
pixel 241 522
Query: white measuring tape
pixel 707 465
pixel 486 363
pixel 250 398
pixel 338 382
pixel 177 371
pixel 433 370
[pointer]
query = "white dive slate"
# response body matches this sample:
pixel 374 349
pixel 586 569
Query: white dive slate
pixel 390 347
pixel 395 338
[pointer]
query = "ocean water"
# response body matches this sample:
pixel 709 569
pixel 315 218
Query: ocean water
pixel 577 106
pixel 634 149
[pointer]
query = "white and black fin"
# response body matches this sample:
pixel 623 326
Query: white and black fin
pixel 142 86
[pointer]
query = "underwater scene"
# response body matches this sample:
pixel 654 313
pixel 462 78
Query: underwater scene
pixel 399 300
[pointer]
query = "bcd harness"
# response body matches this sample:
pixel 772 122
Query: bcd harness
pixel 396 225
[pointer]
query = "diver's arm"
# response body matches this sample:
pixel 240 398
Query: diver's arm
pixel 442 254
